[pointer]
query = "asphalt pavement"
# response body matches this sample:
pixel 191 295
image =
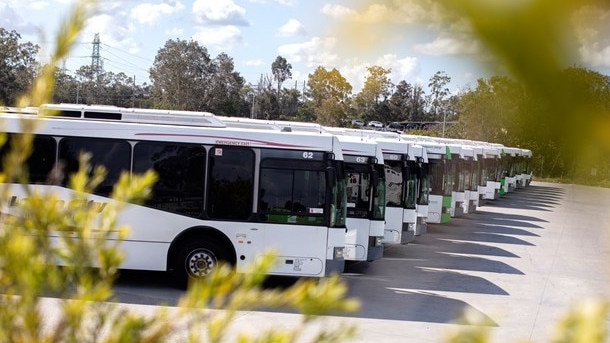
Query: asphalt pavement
pixel 519 263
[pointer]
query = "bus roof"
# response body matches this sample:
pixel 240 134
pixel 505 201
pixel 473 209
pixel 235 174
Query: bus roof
pixel 170 131
pixel 131 115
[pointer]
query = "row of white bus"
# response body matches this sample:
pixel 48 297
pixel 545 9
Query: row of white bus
pixel 230 189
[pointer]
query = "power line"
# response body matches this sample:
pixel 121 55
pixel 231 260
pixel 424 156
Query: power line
pixel 128 53
pixel 125 62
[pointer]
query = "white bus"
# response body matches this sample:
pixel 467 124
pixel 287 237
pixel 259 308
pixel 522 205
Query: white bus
pixel 469 169
pixel 456 174
pixel 365 185
pixel 525 167
pixel 441 179
pixel 364 168
pixel 417 187
pixel 222 194
pixel 509 167
pixel 404 168
pixel 491 172
pixel 477 179
pixel 401 192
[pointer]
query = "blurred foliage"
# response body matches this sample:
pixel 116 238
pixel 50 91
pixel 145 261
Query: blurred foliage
pixel 48 250
pixel 564 116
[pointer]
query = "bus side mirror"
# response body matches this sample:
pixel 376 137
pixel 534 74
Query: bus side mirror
pixel 331 177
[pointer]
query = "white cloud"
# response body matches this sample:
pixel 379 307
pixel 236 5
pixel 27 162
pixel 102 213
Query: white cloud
pixel 337 11
pixel 406 68
pixel 448 46
pixel 219 12
pixel 312 53
pixel 175 32
pixel 292 28
pixel 402 12
pixel 592 25
pixel 12 19
pixel 254 63
pixel 38 5
pixel 114 31
pixel 220 38
pixel 147 13
pixel 281 2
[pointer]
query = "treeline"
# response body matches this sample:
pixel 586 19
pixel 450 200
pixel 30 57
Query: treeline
pixel 185 77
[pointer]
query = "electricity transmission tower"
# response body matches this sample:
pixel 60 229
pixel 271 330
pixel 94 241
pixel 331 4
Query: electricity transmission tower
pixel 96 61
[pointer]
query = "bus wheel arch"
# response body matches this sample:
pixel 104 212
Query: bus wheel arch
pixel 196 251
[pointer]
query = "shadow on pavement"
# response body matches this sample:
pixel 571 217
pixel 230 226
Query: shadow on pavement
pixel 421 281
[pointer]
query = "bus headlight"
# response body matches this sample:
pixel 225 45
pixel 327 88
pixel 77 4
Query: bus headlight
pixel 338 253
pixel 378 241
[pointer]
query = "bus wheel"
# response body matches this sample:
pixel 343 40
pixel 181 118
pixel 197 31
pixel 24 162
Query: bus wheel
pixel 197 259
pixel 200 262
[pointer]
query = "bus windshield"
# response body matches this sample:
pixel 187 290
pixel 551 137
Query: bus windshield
pixel 393 177
pixel 358 190
pixel 424 184
pixel 379 198
pixel 292 191
pixel 438 177
pixel 338 193
pixel 410 185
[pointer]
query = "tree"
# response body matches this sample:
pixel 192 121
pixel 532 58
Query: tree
pixel 438 96
pixel 291 101
pixel 18 66
pixel 488 112
pixel 281 71
pixel 376 90
pixel 118 89
pixel 225 85
pixel 417 104
pixel 265 100
pixel 306 111
pixel 66 87
pixel 407 103
pixel 324 84
pixel 399 102
pixel 180 76
pixel 327 87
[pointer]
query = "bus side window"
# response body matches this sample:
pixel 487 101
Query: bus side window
pixel 230 183
pixel 180 175
pixel 113 154
pixel 42 160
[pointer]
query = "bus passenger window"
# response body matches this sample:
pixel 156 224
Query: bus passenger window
pixel 42 160
pixel 230 183
pixel 112 154
pixel 180 175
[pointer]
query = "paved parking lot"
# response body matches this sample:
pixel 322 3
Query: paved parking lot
pixel 519 262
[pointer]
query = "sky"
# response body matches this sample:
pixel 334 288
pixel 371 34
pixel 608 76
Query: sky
pixel 345 35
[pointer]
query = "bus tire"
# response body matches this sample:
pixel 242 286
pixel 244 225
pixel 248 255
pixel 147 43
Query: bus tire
pixel 197 258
